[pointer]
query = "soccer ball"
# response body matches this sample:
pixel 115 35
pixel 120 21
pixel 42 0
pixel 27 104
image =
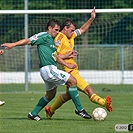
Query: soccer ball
pixel 99 114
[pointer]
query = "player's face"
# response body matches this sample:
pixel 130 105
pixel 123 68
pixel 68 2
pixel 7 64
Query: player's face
pixel 53 31
pixel 70 30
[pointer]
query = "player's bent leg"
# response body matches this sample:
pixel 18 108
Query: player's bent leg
pixel 88 90
pixel 107 102
pixel 33 115
pixel 97 99
pixel 75 98
pixel 57 104
pixel 84 86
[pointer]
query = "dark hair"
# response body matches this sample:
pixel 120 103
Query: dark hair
pixel 52 23
pixel 67 23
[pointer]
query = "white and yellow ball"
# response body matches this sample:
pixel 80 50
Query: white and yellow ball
pixel 99 114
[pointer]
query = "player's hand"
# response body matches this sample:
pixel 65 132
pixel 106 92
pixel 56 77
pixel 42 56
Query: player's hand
pixel 71 66
pixel 8 45
pixel 72 54
pixel 93 13
pixel 75 53
pixel 1 52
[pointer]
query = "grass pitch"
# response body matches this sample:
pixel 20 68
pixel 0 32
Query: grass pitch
pixel 13 115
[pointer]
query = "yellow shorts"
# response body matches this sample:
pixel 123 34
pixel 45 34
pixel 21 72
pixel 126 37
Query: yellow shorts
pixel 81 83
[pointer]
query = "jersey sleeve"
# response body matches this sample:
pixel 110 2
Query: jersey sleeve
pixel 34 39
pixel 76 33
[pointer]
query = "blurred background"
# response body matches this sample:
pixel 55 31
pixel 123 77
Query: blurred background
pixel 105 50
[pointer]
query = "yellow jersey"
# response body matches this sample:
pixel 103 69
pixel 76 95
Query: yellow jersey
pixel 65 45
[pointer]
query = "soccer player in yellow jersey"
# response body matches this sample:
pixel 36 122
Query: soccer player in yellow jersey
pixel 65 48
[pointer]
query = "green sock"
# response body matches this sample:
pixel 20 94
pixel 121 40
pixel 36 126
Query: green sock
pixel 41 104
pixel 75 97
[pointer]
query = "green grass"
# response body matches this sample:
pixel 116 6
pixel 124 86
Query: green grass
pixel 13 115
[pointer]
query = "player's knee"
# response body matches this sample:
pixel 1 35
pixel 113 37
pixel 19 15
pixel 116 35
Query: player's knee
pixel 50 94
pixel 71 81
pixel 50 97
pixel 88 90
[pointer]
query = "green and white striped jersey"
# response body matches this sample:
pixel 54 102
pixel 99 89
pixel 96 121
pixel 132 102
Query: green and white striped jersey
pixel 46 48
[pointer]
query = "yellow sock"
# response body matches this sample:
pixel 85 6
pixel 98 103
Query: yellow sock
pixel 58 103
pixel 97 99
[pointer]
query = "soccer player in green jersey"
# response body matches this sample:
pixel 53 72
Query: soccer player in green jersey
pixel 48 69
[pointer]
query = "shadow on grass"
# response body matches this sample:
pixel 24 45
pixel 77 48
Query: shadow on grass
pixel 53 119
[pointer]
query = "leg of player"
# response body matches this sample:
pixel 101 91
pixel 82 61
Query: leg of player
pixel 88 90
pixel 72 91
pixel 41 104
pixel 50 110
pixel 97 99
pixel 51 83
pixel 65 97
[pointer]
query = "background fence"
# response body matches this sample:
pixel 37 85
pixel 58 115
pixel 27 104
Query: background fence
pixel 105 50
pixel 97 64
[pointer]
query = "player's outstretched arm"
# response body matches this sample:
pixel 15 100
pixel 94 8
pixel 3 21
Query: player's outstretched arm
pixel 19 43
pixel 86 26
